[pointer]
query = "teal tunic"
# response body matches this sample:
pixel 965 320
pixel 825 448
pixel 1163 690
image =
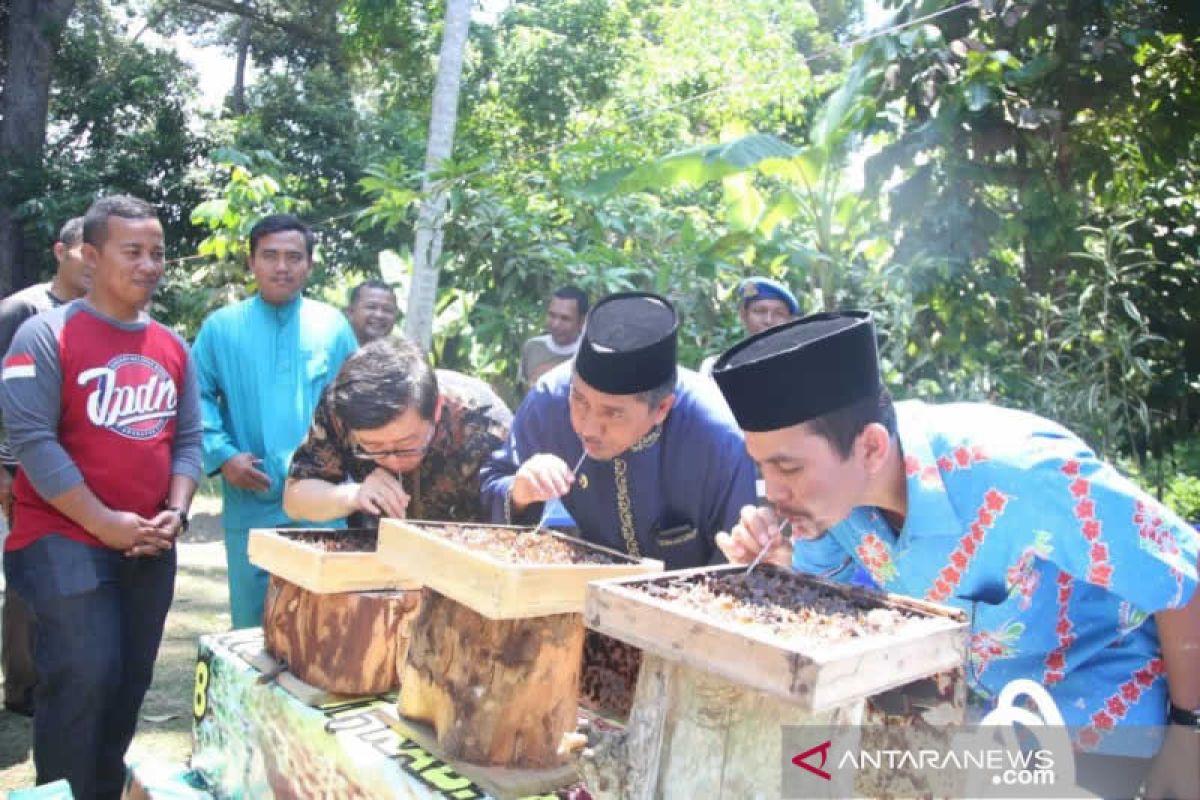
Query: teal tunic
pixel 262 369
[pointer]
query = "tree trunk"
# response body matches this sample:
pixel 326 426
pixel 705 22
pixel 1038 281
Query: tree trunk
pixel 34 28
pixel 347 643
pixel 237 97
pixel 427 240
pixel 496 692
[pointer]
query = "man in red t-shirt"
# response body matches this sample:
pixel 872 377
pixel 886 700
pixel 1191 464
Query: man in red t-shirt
pixel 102 410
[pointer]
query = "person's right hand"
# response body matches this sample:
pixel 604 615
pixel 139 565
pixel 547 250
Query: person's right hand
pixel 541 478
pixel 242 471
pixel 756 528
pixel 132 534
pixel 6 498
pixel 381 493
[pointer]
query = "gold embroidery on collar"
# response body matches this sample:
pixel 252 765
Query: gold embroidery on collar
pixel 624 510
pixel 648 440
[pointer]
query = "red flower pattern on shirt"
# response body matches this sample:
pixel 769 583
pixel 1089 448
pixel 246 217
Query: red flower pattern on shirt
pixel 1114 707
pixel 1022 578
pixel 1056 660
pixel 874 555
pixel 1157 538
pixel 951 575
pixel 1100 569
pixel 986 645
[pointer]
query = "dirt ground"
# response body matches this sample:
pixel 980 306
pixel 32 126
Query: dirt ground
pixel 201 606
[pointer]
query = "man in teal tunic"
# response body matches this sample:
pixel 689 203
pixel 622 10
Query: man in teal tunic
pixel 262 365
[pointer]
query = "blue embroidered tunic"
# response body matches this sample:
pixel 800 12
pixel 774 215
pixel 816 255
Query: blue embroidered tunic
pixel 665 498
pixel 1057 557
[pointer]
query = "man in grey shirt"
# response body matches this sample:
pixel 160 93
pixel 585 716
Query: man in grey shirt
pixel 71 280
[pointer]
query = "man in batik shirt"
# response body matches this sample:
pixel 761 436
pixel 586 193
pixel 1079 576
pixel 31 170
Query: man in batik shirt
pixel 1073 576
pixel 393 437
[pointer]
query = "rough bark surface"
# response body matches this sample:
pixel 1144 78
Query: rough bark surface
pixel 496 692
pixel 347 643
pixel 34 28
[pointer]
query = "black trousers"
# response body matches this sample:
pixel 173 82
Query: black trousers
pixel 16 643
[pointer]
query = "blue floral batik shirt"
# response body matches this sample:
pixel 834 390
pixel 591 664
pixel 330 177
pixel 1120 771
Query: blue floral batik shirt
pixel 1058 559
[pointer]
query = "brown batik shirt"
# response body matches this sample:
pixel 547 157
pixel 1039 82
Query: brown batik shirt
pixel 473 423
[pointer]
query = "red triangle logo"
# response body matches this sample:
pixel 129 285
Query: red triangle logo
pixel 823 749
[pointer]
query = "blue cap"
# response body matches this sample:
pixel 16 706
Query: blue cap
pixel 757 288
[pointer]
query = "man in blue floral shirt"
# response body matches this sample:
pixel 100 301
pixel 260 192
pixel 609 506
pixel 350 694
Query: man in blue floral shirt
pixel 1073 576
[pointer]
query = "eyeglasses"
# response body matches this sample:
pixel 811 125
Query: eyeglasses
pixel 411 452
pixel 375 455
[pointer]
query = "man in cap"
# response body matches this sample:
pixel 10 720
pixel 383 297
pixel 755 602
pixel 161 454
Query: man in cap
pixel 661 464
pixel 1074 577
pixel 645 457
pixel 763 303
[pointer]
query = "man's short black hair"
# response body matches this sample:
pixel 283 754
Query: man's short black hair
pixel 574 293
pixel 381 381
pixel 95 221
pixel 370 283
pixel 71 233
pixel 841 427
pixel 278 223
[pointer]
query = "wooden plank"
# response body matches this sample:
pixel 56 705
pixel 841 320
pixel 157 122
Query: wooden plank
pixel 490 586
pixel 320 571
pixel 306 693
pixel 696 734
pixel 815 675
pixel 644 736
pixel 723 740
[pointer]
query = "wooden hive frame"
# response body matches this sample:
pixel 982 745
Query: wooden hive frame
pixel 320 571
pixel 494 588
pixel 815 675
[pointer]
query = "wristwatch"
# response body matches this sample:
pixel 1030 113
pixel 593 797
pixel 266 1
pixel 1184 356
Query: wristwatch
pixel 1181 716
pixel 183 517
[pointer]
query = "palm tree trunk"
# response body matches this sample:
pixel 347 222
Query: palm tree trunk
pixel 427 241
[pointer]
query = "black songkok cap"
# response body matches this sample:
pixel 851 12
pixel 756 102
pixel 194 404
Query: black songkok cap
pixel 800 370
pixel 628 343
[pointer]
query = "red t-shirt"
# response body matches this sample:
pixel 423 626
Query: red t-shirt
pixel 88 398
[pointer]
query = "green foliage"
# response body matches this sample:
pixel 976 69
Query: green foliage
pixel 218 276
pixel 565 91
pixel 1024 193
pixel 1089 365
pixel 1011 187
pixel 1174 478
pixel 1183 496
pixel 118 122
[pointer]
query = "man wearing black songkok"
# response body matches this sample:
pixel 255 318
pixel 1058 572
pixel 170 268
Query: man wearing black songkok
pixel 665 466
pixel 1074 577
